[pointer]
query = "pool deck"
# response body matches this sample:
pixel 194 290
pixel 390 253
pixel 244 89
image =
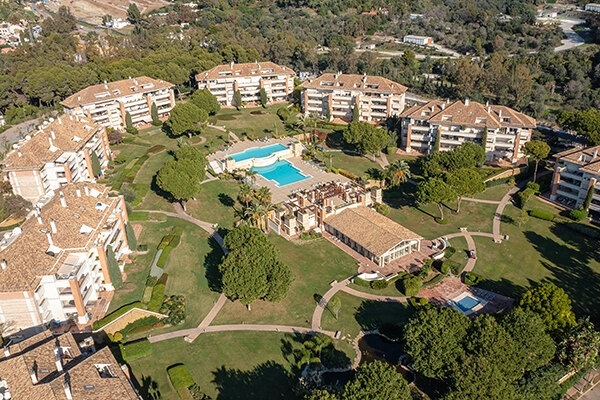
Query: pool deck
pixel 244 145
pixel 317 176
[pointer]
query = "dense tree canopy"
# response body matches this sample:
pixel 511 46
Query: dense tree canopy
pixel 552 304
pixel 205 100
pixel 251 270
pixel 184 118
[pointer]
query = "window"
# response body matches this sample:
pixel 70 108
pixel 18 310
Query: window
pixel 326 83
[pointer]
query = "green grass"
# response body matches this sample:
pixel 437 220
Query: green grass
pixel 494 193
pixel 542 251
pixel 243 123
pixel 474 216
pixel 151 166
pixel 358 314
pixel 358 165
pixel 215 203
pixel 226 365
pixel 314 264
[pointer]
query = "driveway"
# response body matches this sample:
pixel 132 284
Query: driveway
pixel 573 39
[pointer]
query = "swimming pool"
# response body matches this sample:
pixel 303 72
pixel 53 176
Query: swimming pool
pixel 282 172
pixel 467 303
pixel 258 152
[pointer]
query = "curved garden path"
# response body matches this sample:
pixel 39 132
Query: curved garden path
pixel 205 327
pixel 223 129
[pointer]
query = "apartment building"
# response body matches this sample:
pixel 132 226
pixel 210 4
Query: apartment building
pixel 505 130
pixel 335 95
pixel 225 80
pixel 55 266
pixel 577 171
pixel 108 104
pixel 594 7
pixel 60 152
pixel 52 367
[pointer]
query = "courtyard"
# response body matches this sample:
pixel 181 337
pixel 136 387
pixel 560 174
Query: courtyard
pixel 235 348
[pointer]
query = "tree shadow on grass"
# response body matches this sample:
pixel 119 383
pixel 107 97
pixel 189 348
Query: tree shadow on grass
pixel 569 264
pixel 158 191
pixel 503 287
pixel 147 387
pixel 226 200
pixel 373 314
pixel 268 380
pixel 211 265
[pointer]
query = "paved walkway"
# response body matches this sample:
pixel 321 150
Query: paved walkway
pixel 209 317
pixel 481 200
pixel 155 270
pixel 318 313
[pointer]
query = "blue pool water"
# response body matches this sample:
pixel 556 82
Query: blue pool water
pixel 281 172
pixel 258 152
pixel 467 303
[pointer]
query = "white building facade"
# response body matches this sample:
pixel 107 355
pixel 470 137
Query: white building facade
pixel 334 96
pixel 225 80
pixel 108 104
pixel 504 130
pixel 55 267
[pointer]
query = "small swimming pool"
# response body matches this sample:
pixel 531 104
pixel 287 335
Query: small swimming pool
pixel 467 303
pixel 282 172
pixel 258 152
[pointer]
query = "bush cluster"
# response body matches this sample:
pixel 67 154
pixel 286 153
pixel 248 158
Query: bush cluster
pixel 410 285
pixel 578 215
pixel 471 278
pixel 542 215
pixel 174 307
pixel 135 350
pixel 180 376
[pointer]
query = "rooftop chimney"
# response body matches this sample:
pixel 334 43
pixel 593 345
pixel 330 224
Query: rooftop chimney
pixel 3 263
pixel 78 192
pixel 86 190
pixel 52 134
pixel 231 65
pixel 466 102
pixel 53 226
pixel 489 110
pixel 63 202
pixel 78 98
pixel 67 387
pixel 57 359
pixel 6 351
pixel 59 120
pixel 500 113
pixel 49 236
pixel 443 106
pixel 19 153
pixel 595 153
pixel 33 376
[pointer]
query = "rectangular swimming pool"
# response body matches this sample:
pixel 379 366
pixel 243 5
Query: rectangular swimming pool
pixel 282 172
pixel 258 152
pixel 467 303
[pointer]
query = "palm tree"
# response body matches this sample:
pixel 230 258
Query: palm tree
pixel 252 175
pixel 263 195
pixel 397 172
pixel 253 214
pixel 245 194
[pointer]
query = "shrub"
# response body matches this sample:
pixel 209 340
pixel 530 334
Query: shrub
pixel 180 376
pixel 382 209
pixel 533 186
pixel 132 327
pixel 151 281
pixel 115 314
pixel 410 285
pixel 135 350
pixel 524 196
pixel 147 294
pixel 450 251
pixel 440 221
pixel 117 337
pixel 174 307
pixel 541 215
pixel 140 190
pixel 379 284
pixel 162 260
pixel 361 282
pixel 197 393
pixel 444 268
pixel 578 215
pixel 471 278
pixel 453 266
pixel 434 281
pixel 347 174
pixel 158 293
pixel 156 148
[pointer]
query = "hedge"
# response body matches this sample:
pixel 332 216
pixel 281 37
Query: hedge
pixel 137 323
pixel 434 281
pixel 578 215
pixel 158 293
pixel 162 260
pixel 449 252
pixel 138 216
pixel 140 189
pixel 361 282
pixel 455 267
pixel 115 314
pixel 135 350
pixel 471 278
pixel 156 148
pixel 147 294
pixel 410 285
pixel 541 215
pixel 379 284
pixel 180 376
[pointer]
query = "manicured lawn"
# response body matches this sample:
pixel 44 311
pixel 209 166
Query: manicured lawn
pixel 151 166
pixel 243 123
pixel 214 139
pixel 495 192
pixel 542 251
pixel 226 365
pixel 358 314
pixel 358 165
pixel 420 219
pixel 314 264
pixel 188 266
pixel 216 203
pixel 395 157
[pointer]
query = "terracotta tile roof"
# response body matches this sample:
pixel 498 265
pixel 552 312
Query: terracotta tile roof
pixel 81 214
pixel 469 113
pixel 588 158
pixel 246 69
pixel 114 90
pixel 65 133
pixel 371 230
pixel 85 380
pixel 364 83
